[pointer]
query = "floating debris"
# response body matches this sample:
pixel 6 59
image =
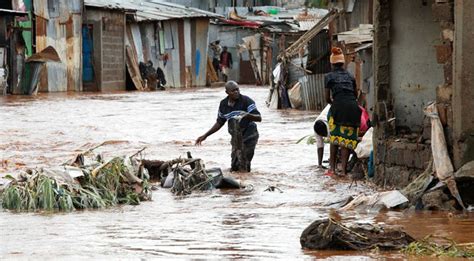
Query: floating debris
pixel 99 184
pixel 184 175
pixel 429 247
pixel 273 189
pixel 87 181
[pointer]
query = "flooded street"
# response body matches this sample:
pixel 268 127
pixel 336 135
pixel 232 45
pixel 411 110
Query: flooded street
pixel 253 224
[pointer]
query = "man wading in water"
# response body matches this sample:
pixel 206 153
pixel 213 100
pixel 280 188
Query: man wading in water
pixel 242 113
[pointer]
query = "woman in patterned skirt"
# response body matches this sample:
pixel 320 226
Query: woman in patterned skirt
pixel 344 115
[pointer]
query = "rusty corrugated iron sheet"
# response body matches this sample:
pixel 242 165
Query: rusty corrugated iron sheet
pixel 319 49
pixel 75 6
pixel 200 50
pixel 296 69
pixel 59 25
pixel 361 13
pixel 312 92
pixel 41 8
pixel 74 52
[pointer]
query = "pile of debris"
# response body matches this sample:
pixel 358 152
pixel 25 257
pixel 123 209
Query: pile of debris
pixel 330 233
pixel 80 184
pixel 183 176
pixel 88 181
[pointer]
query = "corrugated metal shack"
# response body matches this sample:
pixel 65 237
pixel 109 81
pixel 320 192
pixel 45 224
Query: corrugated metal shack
pixel 173 37
pixel 8 45
pixel 273 29
pixel 58 24
pixel 64 49
pixel 303 65
pixel 52 26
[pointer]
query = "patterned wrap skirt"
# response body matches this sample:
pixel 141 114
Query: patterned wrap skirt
pixel 344 122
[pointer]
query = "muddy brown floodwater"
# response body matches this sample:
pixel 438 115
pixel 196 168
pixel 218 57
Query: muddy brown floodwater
pixel 253 224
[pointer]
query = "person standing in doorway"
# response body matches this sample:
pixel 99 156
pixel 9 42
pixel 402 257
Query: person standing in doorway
pixel 344 114
pixel 240 113
pixel 226 63
pixel 216 50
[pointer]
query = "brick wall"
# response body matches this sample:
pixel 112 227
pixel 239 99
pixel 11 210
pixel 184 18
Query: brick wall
pixel 399 156
pixel 113 55
pixel 398 162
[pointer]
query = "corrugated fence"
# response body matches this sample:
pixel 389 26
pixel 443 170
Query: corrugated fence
pixel 312 92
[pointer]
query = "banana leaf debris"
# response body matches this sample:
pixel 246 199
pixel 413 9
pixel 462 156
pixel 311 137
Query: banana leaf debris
pixel 88 181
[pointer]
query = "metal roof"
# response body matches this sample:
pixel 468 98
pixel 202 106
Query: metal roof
pixel 151 10
pixel 12 12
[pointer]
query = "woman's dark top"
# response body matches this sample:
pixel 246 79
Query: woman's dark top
pixel 344 110
pixel 341 83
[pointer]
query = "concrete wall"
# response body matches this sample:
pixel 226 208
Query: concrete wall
pixel 414 72
pixel 407 72
pixel 463 95
pixel 112 48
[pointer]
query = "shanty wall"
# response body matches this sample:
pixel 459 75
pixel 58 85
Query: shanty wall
pixel 110 47
pixel 312 85
pixel 361 13
pixel 414 72
pixel 405 65
pixel 59 25
pixel 463 94
pixel 186 46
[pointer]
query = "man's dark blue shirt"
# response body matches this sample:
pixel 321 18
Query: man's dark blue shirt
pixel 243 103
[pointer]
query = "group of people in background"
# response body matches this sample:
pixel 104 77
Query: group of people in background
pixel 342 122
pixel 153 79
pixel 221 59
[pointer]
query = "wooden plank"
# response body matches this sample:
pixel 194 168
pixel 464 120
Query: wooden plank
pixel 253 62
pixel 133 70
pixel 211 73
pixel 310 34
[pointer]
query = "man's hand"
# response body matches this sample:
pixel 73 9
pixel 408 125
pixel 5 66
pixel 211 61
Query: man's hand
pixel 200 139
pixel 240 116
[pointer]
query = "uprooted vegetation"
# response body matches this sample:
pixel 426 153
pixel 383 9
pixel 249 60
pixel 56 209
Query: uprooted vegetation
pixel 101 184
pixel 87 181
pixel 429 246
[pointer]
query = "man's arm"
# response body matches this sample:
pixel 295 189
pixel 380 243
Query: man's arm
pixel 252 113
pixel 254 117
pixel 217 126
